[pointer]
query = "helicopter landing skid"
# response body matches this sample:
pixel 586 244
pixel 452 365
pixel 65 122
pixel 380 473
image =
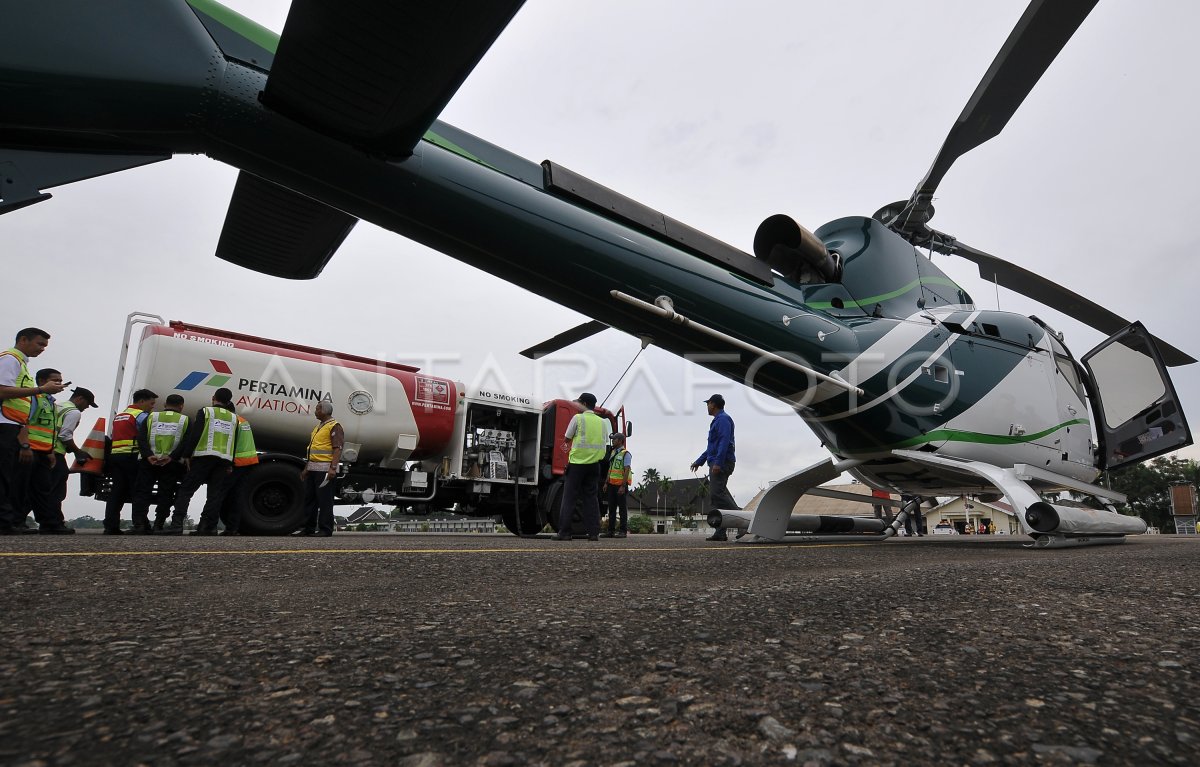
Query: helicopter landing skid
pixel 1050 525
pixel 770 518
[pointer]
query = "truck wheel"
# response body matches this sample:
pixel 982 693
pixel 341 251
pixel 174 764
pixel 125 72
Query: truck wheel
pixel 549 500
pixel 270 500
pixel 531 521
pixel 551 508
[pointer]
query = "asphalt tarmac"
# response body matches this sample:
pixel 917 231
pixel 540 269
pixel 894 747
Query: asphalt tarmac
pixel 487 649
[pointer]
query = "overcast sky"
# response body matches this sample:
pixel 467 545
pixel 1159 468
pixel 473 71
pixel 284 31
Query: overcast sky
pixel 718 114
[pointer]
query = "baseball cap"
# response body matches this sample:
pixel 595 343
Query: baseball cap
pixel 716 399
pixel 79 391
pixel 587 398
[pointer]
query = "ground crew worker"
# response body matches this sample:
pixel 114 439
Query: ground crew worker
pixel 324 454
pixel 17 388
pixel 122 463
pixel 207 447
pixel 67 422
pixel 620 477
pixel 719 455
pixel 586 435
pixel 43 442
pixel 245 455
pixel 158 435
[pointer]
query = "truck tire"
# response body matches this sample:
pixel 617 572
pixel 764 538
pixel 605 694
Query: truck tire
pixel 531 523
pixel 552 506
pixel 270 500
pixel 549 499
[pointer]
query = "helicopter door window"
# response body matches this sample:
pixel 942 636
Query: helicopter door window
pixel 1128 380
pixel 1139 415
pixel 1067 368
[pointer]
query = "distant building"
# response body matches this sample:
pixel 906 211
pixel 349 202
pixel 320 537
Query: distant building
pixel 685 499
pixel 689 499
pixel 380 520
pixel 966 512
pixel 830 505
pixel 373 518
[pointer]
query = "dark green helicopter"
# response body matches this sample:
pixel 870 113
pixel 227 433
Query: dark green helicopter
pixel 911 387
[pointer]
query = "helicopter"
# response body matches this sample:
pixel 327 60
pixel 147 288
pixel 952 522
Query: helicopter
pixel 910 386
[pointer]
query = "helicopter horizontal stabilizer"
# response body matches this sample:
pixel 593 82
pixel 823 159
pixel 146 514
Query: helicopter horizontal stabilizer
pixel 25 173
pixel 564 339
pixel 375 73
pixel 279 232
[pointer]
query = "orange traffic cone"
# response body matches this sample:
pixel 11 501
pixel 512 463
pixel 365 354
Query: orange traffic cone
pixel 94 447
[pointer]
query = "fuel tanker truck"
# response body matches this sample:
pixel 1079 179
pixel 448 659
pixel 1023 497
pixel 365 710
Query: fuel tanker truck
pixel 412 440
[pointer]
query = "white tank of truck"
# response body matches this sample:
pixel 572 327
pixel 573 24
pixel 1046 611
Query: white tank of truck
pixel 391 413
pixel 418 441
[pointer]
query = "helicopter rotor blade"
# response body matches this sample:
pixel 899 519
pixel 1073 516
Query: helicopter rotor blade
pixel 1039 35
pixel 1051 294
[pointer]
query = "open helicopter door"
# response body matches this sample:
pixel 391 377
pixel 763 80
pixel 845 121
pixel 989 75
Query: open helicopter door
pixel 1138 411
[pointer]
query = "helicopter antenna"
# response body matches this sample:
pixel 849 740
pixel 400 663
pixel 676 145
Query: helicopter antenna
pixel 926 288
pixel 996 282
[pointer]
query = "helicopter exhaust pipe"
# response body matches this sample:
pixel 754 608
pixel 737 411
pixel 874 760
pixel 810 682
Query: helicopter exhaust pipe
pixel 795 252
pixel 800 523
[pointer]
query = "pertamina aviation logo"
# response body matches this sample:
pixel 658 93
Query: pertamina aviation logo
pixel 198 377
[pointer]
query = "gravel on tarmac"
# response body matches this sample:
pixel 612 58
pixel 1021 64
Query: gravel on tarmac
pixel 425 650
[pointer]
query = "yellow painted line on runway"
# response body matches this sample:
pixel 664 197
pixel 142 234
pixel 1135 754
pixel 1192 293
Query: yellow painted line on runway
pixel 589 550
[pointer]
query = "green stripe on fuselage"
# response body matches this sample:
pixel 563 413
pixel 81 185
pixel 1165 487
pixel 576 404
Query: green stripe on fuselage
pixel 862 302
pixel 958 435
pixel 448 145
pixel 251 30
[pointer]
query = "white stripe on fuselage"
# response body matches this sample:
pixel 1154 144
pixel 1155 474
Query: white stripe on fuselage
pixel 886 351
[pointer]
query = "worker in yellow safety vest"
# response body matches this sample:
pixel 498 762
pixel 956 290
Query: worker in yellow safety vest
pixel 17 389
pixel 122 463
pixel 159 475
pixel 324 454
pixel 43 442
pixel 586 435
pixel 67 417
pixel 207 450
pixel 620 477
pixel 245 455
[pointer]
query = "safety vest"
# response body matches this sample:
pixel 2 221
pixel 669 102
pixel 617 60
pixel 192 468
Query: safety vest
pixel 217 438
pixel 244 452
pixel 42 436
pixel 587 446
pixel 17 409
pixel 124 433
pixel 60 412
pixel 320 445
pixel 164 429
pixel 616 468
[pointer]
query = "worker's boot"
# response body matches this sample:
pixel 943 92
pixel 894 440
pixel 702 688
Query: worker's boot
pixel 173 527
